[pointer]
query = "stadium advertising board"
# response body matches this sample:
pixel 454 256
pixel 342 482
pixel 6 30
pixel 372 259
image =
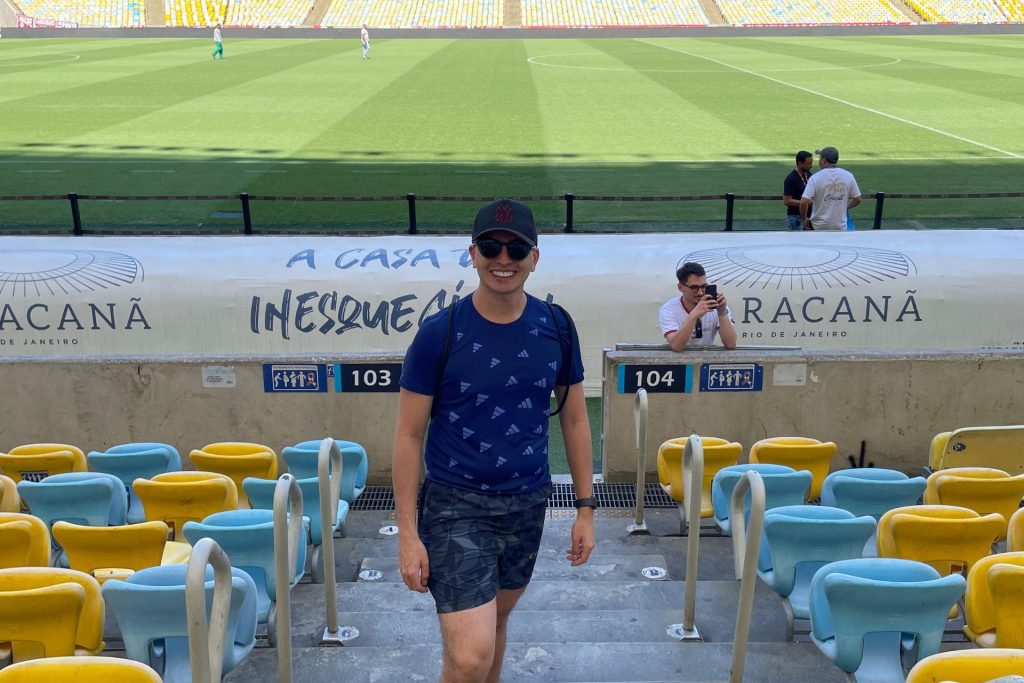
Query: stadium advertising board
pixel 34 22
pixel 226 297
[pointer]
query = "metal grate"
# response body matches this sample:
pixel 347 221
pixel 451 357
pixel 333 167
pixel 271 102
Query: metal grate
pixel 609 496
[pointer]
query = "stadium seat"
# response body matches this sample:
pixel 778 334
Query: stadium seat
pixel 132 461
pixel 37 554
pixel 117 551
pixel 800 453
pixel 178 497
pixel 800 539
pixel 86 621
pixel 40 622
pixel 150 609
pixel 10 501
pixel 978 489
pixel 968 666
pixel 247 536
pixel 261 495
pixel 783 486
pixel 871 491
pixel 992 605
pixel 718 453
pixel 237 460
pixel 1015 532
pixel 999 447
pixel 302 461
pixel 865 611
pixel 79 670
pixel 949 539
pixel 35 462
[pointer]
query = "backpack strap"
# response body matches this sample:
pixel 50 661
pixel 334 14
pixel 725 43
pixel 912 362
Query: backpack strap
pixel 566 352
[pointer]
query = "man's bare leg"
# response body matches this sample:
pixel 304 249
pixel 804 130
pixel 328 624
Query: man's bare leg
pixel 467 638
pixel 506 600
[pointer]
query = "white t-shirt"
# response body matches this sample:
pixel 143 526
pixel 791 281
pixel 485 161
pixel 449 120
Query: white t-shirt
pixel 216 35
pixel 672 315
pixel 830 191
pixel 364 37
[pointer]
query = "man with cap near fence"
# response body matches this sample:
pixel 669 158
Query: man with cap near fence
pixel 482 372
pixel 832 192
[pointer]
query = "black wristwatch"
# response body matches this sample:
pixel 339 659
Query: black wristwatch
pixel 585 503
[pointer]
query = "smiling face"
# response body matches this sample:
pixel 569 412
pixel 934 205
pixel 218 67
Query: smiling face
pixel 503 275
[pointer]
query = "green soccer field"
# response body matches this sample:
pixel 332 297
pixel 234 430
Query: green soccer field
pixel 651 116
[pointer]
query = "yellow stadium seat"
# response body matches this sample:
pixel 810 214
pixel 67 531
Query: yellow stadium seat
pixel 37 554
pixel 968 666
pixel 983 494
pixel 117 551
pixel 991 598
pixel 946 537
pixel 44 448
pixel 10 501
pixel 237 460
pixel 178 497
pixel 931 491
pixel 40 622
pixel 1015 532
pixel 800 453
pixel 79 670
pixel 718 453
pixel 38 466
pixel 88 619
pixel 998 447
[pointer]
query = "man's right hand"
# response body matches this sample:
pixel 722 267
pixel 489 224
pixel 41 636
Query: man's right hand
pixel 703 306
pixel 413 563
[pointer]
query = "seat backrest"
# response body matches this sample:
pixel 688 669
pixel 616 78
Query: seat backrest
pixel 1006 582
pixel 179 497
pixel 39 544
pixel 853 598
pixel 150 605
pixel 968 666
pixel 38 467
pixel 931 493
pixel 131 466
pixel 90 622
pixel 15 544
pixel 45 448
pixel 141 446
pixel 79 670
pixel 41 621
pixel 237 466
pixel 998 447
pixel 868 491
pixel 1015 532
pixel 794 535
pixel 10 501
pixel 782 486
pixel 132 546
pixel 944 542
pixel 814 457
pixel 302 461
pixel 979 603
pixel 84 493
pixel 718 453
pixel 1002 495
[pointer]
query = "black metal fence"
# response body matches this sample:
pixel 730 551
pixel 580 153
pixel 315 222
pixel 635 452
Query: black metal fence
pixel 246 200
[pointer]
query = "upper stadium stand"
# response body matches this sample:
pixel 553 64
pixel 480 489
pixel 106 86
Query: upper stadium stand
pixel 100 13
pixel 267 13
pixel 810 12
pixel 960 11
pixel 194 13
pixel 415 13
pixel 580 13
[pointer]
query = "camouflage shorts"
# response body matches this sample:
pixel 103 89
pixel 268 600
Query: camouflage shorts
pixel 478 543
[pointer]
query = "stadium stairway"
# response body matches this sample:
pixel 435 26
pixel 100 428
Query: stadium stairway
pixel 316 13
pixel 513 14
pixel 713 12
pixel 603 621
pixel 907 11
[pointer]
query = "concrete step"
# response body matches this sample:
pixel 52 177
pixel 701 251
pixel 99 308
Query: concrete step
pixel 588 610
pixel 599 568
pixel 544 662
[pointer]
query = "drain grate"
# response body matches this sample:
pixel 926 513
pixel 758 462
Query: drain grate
pixel 608 496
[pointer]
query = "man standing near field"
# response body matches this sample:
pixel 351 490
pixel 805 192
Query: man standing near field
pixel 832 192
pixel 219 50
pixel 476 384
pixel 364 38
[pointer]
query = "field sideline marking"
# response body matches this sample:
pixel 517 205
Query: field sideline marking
pixel 836 99
pixel 14 61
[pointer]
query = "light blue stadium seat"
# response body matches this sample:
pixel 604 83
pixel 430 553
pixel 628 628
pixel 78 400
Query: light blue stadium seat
pixel 86 498
pixel 302 464
pixel 800 539
pixel 247 536
pixel 261 496
pixel 782 485
pixel 132 461
pixel 871 491
pixel 150 609
pixel 866 613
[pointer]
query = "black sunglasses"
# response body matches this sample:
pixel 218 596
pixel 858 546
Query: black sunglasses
pixel 518 249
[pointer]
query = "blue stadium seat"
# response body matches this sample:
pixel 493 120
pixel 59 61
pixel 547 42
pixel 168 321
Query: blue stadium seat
pixel 782 485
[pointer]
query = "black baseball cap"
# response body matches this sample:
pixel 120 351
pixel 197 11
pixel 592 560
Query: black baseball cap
pixel 508 215
pixel 830 154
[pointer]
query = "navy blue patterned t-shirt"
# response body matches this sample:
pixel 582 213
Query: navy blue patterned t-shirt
pixel 489 426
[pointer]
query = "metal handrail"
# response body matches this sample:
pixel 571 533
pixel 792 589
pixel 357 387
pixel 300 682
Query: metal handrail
pixel 640 419
pixel 693 478
pixel 745 546
pixel 206 642
pixel 329 468
pixel 287 530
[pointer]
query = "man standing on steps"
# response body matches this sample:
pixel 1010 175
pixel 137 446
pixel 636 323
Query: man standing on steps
pixel 219 45
pixel 364 38
pixel 482 372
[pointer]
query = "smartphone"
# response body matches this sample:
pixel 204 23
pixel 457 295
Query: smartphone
pixel 712 291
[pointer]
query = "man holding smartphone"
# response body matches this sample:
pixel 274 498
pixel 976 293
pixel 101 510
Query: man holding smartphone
pixel 694 318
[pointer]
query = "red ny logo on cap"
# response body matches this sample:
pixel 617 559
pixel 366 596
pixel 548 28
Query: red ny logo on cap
pixel 503 214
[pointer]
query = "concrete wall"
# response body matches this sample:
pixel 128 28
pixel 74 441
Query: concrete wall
pixel 895 401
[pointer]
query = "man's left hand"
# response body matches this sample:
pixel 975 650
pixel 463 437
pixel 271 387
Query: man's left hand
pixel 720 302
pixel 582 537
